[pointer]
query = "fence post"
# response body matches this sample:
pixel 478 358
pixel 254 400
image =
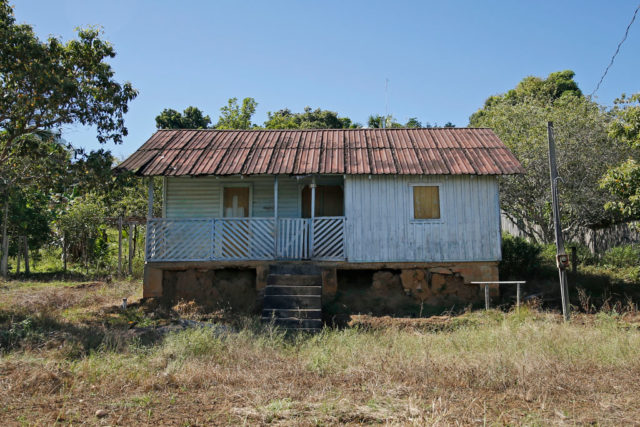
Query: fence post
pixel 119 246
pixel 486 296
pixel 130 249
pixel 518 295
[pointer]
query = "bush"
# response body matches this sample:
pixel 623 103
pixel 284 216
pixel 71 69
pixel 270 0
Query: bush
pixel 585 257
pixel 622 256
pixel 520 258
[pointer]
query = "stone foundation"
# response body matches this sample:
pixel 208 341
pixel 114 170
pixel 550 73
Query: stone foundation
pixel 240 286
pixel 229 289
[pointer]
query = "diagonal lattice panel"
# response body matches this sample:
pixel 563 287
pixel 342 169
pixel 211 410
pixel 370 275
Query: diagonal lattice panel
pixel 328 238
pixel 180 240
pixel 262 238
pixel 233 237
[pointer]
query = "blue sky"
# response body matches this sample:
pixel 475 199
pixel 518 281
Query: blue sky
pixel 442 59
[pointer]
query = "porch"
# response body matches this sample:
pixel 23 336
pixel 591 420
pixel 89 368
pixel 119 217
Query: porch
pixel 239 239
pixel 253 218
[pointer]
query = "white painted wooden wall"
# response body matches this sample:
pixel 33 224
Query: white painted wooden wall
pixel 380 228
pixel 202 196
pixel 379 213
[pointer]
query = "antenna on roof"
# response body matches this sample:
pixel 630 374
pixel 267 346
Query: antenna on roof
pixel 386 102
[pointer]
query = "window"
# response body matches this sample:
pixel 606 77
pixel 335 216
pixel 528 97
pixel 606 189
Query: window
pixel 235 202
pixel 426 202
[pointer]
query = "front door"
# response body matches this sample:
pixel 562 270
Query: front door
pixel 329 201
pixel 235 233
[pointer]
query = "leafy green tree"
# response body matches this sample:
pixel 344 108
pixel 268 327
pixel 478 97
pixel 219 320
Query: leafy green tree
pixel 376 121
pixel 48 84
pixel 29 218
pixel 584 151
pixel 309 119
pixel 533 89
pixel 190 118
pixel 413 122
pixel 82 224
pixel 623 181
pixel 234 116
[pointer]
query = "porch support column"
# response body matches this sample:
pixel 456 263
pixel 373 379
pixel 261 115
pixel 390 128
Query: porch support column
pixel 147 241
pixel 275 211
pixel 150 202
pixel 313 214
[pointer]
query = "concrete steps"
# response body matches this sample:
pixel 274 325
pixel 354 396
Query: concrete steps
pixel 293 297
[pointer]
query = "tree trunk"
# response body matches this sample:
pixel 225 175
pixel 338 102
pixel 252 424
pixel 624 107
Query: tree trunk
pixel 64 252
pixel 4 264
pixel 135 239
pixel 26 255
pixel 18 256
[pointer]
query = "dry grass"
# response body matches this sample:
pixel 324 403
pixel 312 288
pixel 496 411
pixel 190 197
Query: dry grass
pixel 515 368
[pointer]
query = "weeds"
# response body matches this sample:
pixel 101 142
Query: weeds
pixel 518 367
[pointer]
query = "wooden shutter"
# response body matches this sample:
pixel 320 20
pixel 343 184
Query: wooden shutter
pixel 426 202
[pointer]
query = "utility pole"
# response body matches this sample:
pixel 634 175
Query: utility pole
pixel 562 260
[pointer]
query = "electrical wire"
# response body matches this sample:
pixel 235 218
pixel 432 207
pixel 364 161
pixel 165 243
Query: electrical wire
pixel 626 33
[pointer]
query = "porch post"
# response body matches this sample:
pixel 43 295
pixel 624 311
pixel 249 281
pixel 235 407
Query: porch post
pixel 147 241
pixel 313 214
pixel 275 211
pixel 150 202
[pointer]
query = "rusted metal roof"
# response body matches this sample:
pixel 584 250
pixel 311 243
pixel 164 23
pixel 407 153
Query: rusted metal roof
pixel 434 151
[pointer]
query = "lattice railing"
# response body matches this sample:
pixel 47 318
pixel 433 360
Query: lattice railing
pixel 244 238
pixel 328 238
pixel 179 239
pixel 204 239
pixel 293 238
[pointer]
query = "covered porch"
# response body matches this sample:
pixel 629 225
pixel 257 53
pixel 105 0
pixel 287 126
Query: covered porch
pixel 249 218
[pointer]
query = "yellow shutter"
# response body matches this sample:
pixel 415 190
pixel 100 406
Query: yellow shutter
pixel 426 202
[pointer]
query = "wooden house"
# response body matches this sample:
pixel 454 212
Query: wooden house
pixel 420 202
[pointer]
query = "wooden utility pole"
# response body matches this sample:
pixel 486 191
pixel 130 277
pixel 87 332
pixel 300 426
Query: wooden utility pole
pixel 562 260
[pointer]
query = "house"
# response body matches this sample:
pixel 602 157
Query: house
pixel 281 209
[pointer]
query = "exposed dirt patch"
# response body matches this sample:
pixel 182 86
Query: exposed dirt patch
pixel 229 289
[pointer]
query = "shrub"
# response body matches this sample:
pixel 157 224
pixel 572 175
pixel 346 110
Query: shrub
pixel 585 257
pixel 520 258
pixel 622 256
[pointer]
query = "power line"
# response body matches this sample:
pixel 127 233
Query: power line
pixel 626 33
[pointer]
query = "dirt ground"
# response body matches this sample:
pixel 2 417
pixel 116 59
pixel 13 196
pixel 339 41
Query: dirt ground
pixel 71 355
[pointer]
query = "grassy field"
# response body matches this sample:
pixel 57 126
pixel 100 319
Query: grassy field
pixel 69 351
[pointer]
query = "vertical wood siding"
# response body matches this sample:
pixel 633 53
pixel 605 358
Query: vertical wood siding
pixel 201 196
pixel 380 225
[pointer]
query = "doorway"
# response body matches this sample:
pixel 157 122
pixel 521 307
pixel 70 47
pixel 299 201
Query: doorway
pixel 329 201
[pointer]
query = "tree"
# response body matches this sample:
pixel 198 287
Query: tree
pixel 623 181
pixel 376 122
pixel 584 149
pixel 191 118
pixel 533 89
pixel 413 122
pixel 234 116
pixel 35 162
pixel 45 85
pixel 309 119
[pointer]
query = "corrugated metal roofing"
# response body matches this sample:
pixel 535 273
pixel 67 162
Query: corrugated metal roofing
pixel 434 151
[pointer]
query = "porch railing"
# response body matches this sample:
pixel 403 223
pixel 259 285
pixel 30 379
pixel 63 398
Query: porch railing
pixel 209 239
